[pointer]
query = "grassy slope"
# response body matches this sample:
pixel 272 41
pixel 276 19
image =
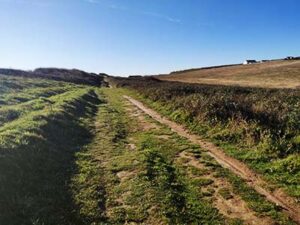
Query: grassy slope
pixel 216 113
pixel 157 180
pixel 283 172
pixel 37 149
pixel 254 200
pixel 278 74
pixel 74 156
pixel 83 164
pixel 72 76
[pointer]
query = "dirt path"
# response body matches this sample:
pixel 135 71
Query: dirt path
pixel 233 207
pixel 251 178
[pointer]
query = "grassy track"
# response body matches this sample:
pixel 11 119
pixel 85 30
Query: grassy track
pixel 139 181
pixel 145 173
pixel 257 126
pixel 75 154
pixel 254 200
pixel 138 162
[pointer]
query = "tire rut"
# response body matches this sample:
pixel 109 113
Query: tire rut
pixel 232 207
pixel 277 196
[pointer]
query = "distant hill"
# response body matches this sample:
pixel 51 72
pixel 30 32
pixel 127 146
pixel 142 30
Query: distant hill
pixel 273 74
pixel 73 75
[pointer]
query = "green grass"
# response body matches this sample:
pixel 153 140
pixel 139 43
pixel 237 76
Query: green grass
pixel 225 193
pixel 37 151
pixel 66 158
pixel 257 126
pixel 202 182
pixel 97 188
pixel 15 90
pixel 198 172
pixel 153 178
pixel 179 202
pixel 255 201
pixel 13 112
pixel 39 161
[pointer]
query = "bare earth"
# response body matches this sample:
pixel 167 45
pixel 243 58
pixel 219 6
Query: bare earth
pixel 234 207
pixel 276 196
pixel 275 74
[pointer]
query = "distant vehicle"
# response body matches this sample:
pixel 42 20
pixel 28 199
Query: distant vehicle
pixel 249 61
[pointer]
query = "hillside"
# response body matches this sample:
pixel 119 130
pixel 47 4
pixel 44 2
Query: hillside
pixel 275 74
pixel 83 154
pixel 73 76
pixel 256 126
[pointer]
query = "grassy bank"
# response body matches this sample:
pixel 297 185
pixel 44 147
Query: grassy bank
pixel 257 126
pixel 38 140
pixel 172 192
pixel 75 154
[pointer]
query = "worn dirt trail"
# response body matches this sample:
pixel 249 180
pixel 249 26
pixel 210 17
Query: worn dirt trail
pixel 233 207
pixel 277 196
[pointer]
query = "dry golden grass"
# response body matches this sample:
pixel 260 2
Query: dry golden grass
pixel 275 74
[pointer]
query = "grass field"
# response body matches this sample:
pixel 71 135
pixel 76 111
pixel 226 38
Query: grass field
pixel 42 124
pixel 78 154
pixel 276 74
pixel 257 126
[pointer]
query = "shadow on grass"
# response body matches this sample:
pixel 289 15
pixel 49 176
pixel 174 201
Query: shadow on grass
pixel 35 177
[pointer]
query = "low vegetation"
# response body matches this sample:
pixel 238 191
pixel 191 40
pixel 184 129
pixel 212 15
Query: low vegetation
pixel 39 136
pixel 78 154
pixel 272 74
pixel 257 126
pixel 72 76
pixel 153 173
pixel 145 173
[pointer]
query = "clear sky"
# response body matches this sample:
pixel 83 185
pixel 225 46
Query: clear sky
pixel 123 37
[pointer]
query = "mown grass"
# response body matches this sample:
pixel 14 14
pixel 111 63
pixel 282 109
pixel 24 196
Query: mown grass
pixel 180 200
pixel 257 126
pixel 15 90
pixel 129 177
pixel 110 151
pixel 37 154
pixel 16 84
pixel 65 158
pixel 12 112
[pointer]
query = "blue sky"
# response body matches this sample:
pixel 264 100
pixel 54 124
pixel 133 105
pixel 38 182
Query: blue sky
pixel 123 37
